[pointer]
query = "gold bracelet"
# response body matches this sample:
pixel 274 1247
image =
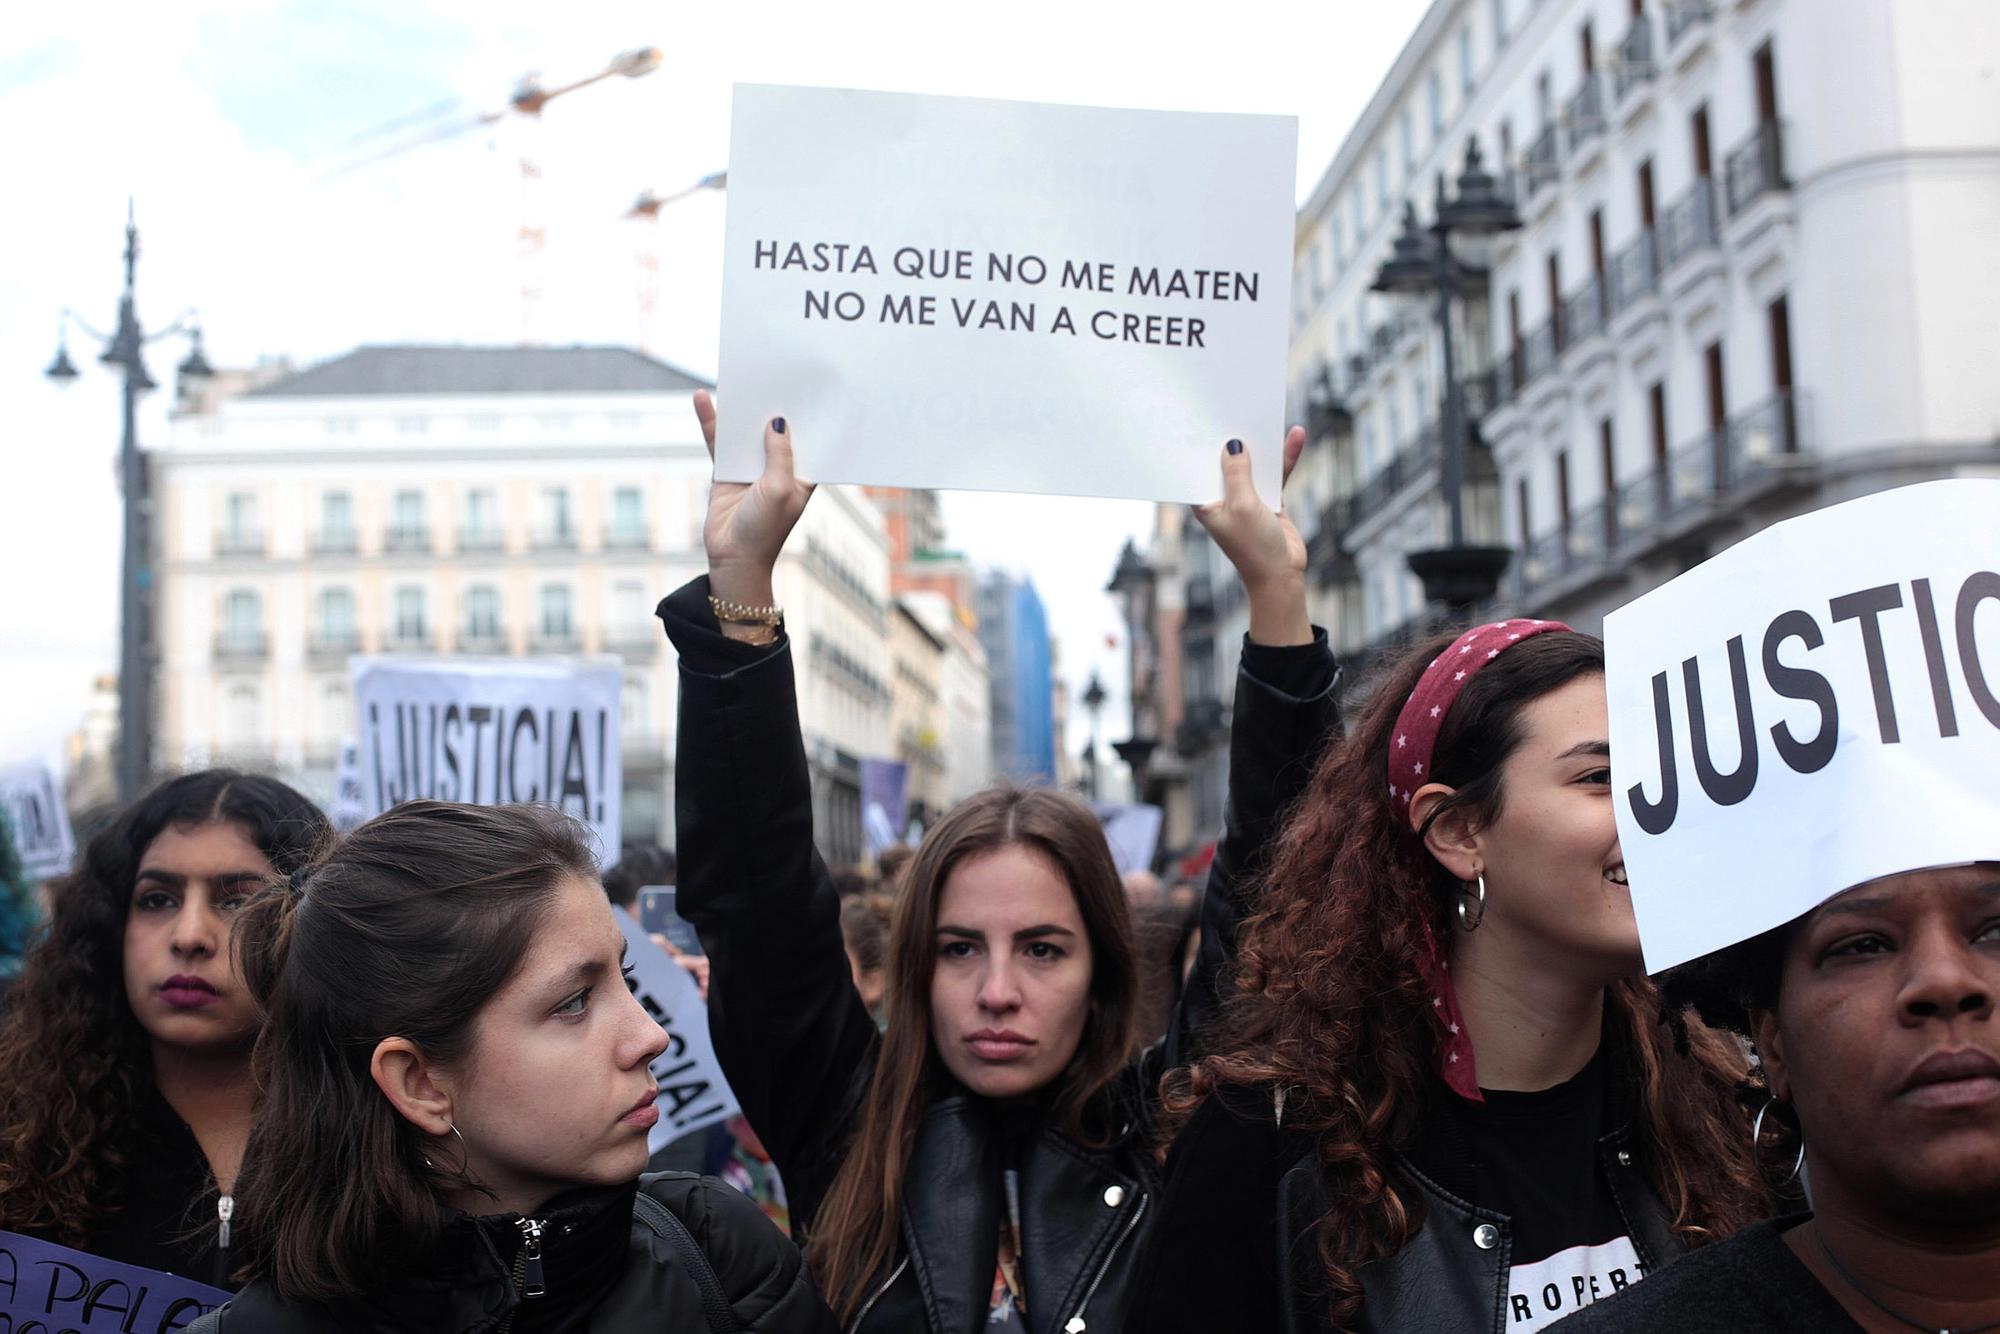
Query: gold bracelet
pixel 738 613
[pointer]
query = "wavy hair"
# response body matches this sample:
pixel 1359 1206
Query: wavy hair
pixel 1331 1004
pixel 74 1062
pixel 853 1238
pixel 406 929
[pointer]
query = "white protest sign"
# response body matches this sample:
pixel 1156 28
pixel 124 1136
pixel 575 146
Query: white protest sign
pixel 349 809
pixel 490 733
pixel 37 819
pixel 693 1092
pixel 1008 296
pixel 1816 707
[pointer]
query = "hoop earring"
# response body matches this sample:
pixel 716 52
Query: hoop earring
pixel 1757 1147
pixel 1470 921
pixel 462 1160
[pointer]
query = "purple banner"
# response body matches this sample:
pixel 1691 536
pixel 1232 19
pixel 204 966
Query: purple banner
pixel 50 1289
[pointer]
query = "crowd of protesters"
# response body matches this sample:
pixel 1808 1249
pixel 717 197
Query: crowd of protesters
pixel 1395 1065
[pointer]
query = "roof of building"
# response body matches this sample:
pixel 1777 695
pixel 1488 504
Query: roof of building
pixel 449 369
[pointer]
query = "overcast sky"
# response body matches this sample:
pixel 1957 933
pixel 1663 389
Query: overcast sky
pixel 225 118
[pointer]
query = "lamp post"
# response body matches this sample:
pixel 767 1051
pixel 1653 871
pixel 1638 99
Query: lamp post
pixel 1093 703
pixel 1445 258
pixel 1132 583
pixel 125 349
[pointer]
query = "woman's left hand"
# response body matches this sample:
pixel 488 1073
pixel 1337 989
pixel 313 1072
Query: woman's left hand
pixel 1263 545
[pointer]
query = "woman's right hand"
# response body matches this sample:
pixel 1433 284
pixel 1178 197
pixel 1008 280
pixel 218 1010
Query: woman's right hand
pixel 747 523
pixel 1263 546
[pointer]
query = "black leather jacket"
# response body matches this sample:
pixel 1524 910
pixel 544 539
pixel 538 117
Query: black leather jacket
pixel 799 1047
pixel 605 1267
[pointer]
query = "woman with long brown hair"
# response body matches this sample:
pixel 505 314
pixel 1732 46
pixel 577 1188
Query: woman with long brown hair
pixel 1442 1095
pixel 986 1164
pixel 125 1084
pixel 457 1091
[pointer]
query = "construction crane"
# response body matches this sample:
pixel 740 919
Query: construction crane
pixel 442 122
pixel 647 209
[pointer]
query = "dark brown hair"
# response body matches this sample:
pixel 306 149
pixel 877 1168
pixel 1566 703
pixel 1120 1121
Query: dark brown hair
pixel 854 1236
pixel 1331 1004
pixel 406 930
pixel 74 1062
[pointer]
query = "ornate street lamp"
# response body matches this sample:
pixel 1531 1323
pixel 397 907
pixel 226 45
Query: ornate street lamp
pixel 1449 257
pixel 1093 703
pixel 125 350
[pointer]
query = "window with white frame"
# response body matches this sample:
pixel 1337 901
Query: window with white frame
pixel 1465 62
pixel 409 604
pixel 628 516
pixel 336 518
pixel 243 618
pixel 1355 205
pixel 556 611
pixel 482 513
pixel 336 615
pixel 1407 136
pixel 239 524
pixel 1499 8
pixel 482 612
pixel 1434 101
pixel 555 512
pixel 406 521
pixel 1381 181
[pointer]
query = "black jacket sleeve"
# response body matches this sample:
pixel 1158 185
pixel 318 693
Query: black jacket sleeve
pixel 789 1028
pixel 1284 715
pixel 758 1268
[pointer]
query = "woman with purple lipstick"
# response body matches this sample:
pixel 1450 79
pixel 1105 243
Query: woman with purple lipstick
pixel 125 1087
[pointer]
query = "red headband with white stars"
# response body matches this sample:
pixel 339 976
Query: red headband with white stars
pixel 1423 715
pixel 1411 748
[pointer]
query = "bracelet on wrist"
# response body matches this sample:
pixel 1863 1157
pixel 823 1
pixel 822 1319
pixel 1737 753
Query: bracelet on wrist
pixel 741 613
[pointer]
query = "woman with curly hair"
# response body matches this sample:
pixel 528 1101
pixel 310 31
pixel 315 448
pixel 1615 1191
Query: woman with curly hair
pixel 1442 1096
pixel 125 1088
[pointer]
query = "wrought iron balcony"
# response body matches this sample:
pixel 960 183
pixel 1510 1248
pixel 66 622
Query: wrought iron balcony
pixel 1402 468
pixel 1584 312
pixel 549 639
pixel 618 538
pixel 1756 167
pixel 1544 160
pixel 482 639
pixel 1203 724
pixel 1683 15
pixel 473 541
pixel 1635 271
pixel 1584 112
pixel 242 646
pixel 1200 600
pixel 554 539
pixel 239 542
pixel 335 542
pixel 406 539
pixel 408 639
pixel 1540 350
pixel 324 644
pixel 1635 58
pixel 1689 224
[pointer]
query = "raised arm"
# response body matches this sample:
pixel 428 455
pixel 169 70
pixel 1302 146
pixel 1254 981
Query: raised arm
pixel 1284 714
pixel 789 1028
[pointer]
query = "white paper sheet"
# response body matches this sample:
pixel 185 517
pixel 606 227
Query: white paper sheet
pixel 1868 636
pixel 958 263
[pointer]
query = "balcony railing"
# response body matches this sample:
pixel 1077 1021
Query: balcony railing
pixel 1635 271
pixel 1544 161
pixel 1706 471
pixel 1200 600
pixel 554 539
pixel 1689 224
pixel 1756 167
pixel 1685 14
pixel 1584 312
pixel 476 540
pixel 335 542
pixel 482 639
pixel 324 644
pixel 622 538
pixel 1635 58
pixel 549 640
pixel 1584 112
pixel 1539 351
pixel 633 641
pixel 408 641
pixel 239 542
pixel 242 646
pixel 1403 467
pixel 407 539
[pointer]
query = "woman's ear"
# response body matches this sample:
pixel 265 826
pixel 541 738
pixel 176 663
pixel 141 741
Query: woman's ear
pixel 1451 837
pixel 407 1079
pixel 1771 1053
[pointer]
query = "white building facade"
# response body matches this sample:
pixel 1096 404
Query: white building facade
pixel 425 500
pixel 1755 276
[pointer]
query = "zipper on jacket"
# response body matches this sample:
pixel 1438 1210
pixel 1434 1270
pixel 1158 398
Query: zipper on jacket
pixel 1076 1323
pixel 225 1209
pixel 876 1296
pixel 530 1259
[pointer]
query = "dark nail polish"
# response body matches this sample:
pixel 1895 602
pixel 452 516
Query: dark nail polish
pixel 1234 446
pixel 778 425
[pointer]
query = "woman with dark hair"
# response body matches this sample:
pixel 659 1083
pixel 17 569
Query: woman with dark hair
pixel 125 1086
pixel 986 1163
pixel 456 1103
pixel 1442 1096
pixel 1874 1017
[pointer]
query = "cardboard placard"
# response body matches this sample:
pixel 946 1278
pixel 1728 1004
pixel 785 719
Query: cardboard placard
pixel 1816 707
pixel 1011 296
pixel 32 800
pixel 693 1091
